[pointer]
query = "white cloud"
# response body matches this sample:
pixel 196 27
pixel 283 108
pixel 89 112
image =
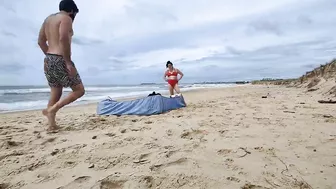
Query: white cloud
pixel 114 41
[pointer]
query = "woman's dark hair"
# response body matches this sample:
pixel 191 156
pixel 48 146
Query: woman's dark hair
pixel 168 64
pixel 68 6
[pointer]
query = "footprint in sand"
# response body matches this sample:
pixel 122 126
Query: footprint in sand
pixel 151 145
pixel 229 161
pixel 45 177
pixel 49 140
pixel 113 134
pixel 252 186
pixel 112 184
pixel 158 167
pixel 6 130
pixel 234 179
pixel 142 159
pixel 4 185
pixel 259 148
pixel 10 144
pixel 169 132
pixel 69 164
pixel 224 152
pixel 126 181
pixel 135 129
pixel 98 120
pixel 80 182
pixel 223 132
pixel 169 153
pixel 195 134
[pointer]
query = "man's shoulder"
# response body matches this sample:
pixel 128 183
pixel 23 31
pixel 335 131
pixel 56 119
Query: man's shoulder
pixel 65 18
pixel 61 16
pixel 50 15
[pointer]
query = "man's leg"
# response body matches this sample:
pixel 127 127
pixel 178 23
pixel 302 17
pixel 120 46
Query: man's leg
pixel 55 92
pixel 55 95
pixel 77 92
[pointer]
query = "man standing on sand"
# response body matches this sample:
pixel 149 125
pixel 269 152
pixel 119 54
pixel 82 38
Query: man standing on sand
pixel 59 70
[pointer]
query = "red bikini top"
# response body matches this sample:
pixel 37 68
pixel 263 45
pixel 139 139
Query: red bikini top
pixel 174 73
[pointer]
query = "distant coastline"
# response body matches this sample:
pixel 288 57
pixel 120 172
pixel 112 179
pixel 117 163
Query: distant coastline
pixel 224 82
pixel 206 82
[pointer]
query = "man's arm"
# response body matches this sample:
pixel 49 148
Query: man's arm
pixel 65 38
pixel 42 39
pixel 179 72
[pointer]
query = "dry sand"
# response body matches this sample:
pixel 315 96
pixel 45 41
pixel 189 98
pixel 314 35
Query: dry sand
pixel 225 138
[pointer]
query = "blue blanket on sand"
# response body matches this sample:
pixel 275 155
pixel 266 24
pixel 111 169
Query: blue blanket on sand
pixel 149 105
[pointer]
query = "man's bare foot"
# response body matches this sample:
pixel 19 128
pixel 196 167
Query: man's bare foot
pixel 53 129
pixel 51 115
pixel 45 112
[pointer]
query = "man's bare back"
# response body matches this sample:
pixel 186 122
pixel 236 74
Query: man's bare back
pixel 52 32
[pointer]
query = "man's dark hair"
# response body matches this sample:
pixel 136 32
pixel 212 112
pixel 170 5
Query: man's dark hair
pixel 68 6
pixel 168 63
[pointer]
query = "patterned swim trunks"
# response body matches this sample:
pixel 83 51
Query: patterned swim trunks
pixel 56 72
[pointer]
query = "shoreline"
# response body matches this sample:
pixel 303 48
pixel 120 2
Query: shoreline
pixel 117 98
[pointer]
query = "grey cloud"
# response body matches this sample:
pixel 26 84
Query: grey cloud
pixel 123 77
pixel 7 33
pixel 233 50
pixel 293 49
pixel 106 67
pixel 149 43
pixel 118 61
pixel 265 25
pixel 107 61
pixel 143 11
pixel 21 28
pixel 85 41
pixel 121 54
pixel 219 30
pixel 303 19
pixel 93 69
pixel 12 68
pixel 116 67
pixel 182 38
pixel 217 73
pixel 179 60
pixel 7 6
pixel 119 64
pixel 309 66
pixel 275 57
pixel 4 51
pixel 102 56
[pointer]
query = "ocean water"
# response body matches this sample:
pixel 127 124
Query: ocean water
pixel 19 98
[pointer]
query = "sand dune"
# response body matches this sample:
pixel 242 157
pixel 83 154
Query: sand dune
pixel 225 138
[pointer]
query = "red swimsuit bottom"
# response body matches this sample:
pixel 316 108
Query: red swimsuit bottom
pixel 172 82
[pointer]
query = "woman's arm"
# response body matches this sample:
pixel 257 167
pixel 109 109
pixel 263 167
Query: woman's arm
pixel 179 72
pixel 164 76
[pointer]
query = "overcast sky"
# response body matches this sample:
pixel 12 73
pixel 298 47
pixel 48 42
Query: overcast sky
pixel 129 41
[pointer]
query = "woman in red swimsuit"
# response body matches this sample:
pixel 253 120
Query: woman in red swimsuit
pixel 171 77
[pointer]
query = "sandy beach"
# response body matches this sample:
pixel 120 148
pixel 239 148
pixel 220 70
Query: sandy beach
pixel 225 138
